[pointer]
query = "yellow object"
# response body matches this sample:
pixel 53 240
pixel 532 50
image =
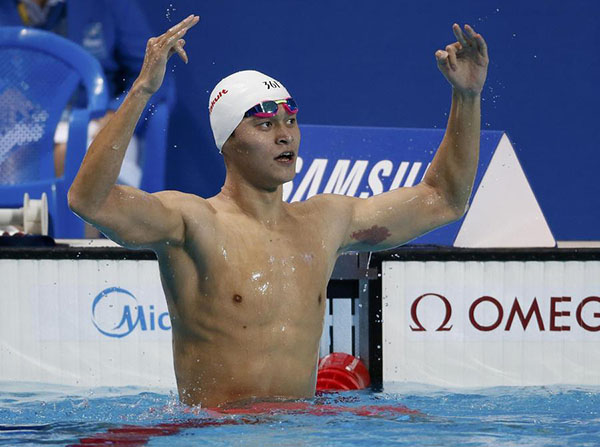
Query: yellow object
pixel 23 13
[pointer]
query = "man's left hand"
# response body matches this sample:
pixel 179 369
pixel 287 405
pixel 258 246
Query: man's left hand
pixel 464 63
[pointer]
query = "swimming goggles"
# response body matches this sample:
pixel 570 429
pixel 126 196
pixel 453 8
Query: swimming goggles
pixel 267 109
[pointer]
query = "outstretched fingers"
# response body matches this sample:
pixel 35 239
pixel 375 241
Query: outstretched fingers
pixel 175 38
pixel 186 23
pixel 459 35
pixel 172 40
pixel 470 31
pixel 481 45
pixel 464 62
pixel 478 39
pixel 158 52
pixel 179 30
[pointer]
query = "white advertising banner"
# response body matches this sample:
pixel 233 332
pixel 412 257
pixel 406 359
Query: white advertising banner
pixel 491 323
pixel 101 323
pixel 84 322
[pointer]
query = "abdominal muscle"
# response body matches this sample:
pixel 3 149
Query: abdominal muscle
pixel 220 372
pixel 234 340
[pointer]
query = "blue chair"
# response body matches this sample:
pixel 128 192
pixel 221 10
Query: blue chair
pixel 39 74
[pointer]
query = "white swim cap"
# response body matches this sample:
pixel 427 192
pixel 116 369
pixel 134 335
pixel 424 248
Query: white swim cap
pixel 235 95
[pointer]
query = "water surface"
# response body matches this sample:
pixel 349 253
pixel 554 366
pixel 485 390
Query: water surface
pixel 34 414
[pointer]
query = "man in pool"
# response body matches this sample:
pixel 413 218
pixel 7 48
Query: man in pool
pixel 244 273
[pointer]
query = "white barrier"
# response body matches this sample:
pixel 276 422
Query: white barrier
pixel 491 323
pixel 84 322
pixel 96 322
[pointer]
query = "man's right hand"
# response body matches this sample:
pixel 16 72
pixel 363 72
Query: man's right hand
pixel 128 215
pixel 159 50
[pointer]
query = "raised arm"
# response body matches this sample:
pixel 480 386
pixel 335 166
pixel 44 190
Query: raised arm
pixel 128 215
pixel 395 217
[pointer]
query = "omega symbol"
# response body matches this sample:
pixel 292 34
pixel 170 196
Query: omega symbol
pixel 415 318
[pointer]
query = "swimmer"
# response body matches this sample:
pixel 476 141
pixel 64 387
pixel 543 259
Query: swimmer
pixel 244 273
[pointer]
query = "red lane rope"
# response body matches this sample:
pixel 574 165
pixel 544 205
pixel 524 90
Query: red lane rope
pixel 138 436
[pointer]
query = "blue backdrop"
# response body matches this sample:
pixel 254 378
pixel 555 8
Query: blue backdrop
pixel 372 64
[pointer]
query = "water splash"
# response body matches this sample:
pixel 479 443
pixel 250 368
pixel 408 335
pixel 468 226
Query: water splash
pixel 264 287
pixel 170 9
pixel 515 415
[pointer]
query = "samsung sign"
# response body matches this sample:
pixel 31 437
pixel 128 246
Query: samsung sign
pixel 348 175
pixel 117 313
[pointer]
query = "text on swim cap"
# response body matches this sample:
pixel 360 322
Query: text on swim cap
pixel 214 101
pixel 271 84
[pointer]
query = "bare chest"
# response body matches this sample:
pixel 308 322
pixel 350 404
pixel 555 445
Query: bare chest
pixel 281 273
pixel 258 295
pixel 247 276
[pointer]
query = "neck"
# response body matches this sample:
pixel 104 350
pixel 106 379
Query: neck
pixel 41 3
pixel 261 204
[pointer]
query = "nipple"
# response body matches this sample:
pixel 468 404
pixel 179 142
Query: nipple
pixel 237 298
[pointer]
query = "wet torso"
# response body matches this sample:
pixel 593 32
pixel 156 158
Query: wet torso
pixel 247 302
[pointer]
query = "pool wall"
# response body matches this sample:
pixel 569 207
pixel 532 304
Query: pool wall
pixel 435 315
pixel 98 317
pixel 473 318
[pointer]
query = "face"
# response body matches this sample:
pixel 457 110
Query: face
pixel 264 150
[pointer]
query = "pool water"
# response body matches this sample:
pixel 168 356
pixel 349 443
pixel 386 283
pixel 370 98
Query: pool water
pixel 32 414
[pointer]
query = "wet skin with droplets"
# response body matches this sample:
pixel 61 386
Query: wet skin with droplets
pixel 247 300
